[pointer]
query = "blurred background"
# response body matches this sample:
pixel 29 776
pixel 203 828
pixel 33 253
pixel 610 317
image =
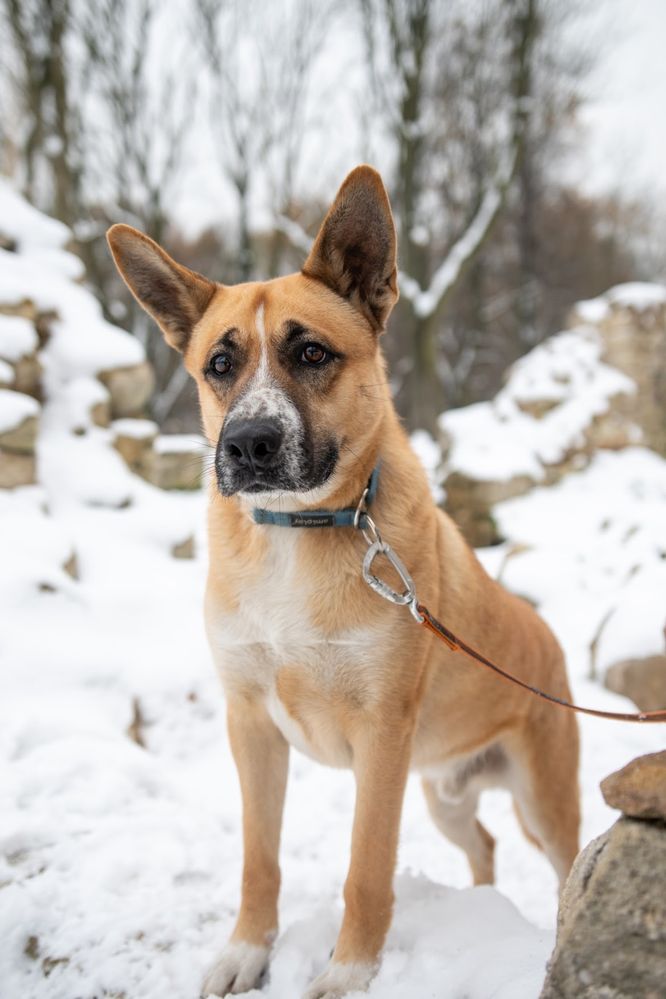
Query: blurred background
pixel 522 145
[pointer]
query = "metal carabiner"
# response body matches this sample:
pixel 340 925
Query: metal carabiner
pixel 408 596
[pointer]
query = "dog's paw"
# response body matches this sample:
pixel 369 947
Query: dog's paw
pixel 238 969
pixel 339 979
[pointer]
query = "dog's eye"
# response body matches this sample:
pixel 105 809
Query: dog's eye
pixel 313 354
pixel 220 364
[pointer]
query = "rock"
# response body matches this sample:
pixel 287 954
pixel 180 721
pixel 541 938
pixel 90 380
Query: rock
pixel 19 343
pixel 184 548
pixel 8 243
pixel 176 463
pixel 17 469
pixel 71 566
pixel 639 789
pixel 133 440
pixel 28 375
pixel 611 937
pixel 24 308
pixel 642 680
pixel 22 437
pixel 100 413
pixel 129 388
pixel 469 501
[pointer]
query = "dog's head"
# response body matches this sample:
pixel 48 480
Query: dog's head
pixel 290 377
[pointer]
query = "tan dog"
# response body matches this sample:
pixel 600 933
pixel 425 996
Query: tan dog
pixel 293 390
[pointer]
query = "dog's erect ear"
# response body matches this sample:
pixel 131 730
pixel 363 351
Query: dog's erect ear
pixel 174 296
pixel 355 250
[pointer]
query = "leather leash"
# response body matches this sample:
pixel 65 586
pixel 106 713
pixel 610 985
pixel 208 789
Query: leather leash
pixel 377 546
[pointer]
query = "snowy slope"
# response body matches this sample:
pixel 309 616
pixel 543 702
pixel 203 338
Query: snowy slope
pixel 120 863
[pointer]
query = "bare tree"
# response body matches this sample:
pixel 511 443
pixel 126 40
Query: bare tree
pixel 138 124
pixel 259 57
pixel 49 142
pixel 413 46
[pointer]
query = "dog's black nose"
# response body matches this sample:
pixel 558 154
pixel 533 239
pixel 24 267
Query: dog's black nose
pixel 251 443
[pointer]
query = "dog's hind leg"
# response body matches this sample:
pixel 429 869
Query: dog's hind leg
pixel 545 787
pixel 456 819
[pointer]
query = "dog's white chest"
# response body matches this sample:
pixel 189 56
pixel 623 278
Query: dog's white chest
pixel 272 630
pixel 272 606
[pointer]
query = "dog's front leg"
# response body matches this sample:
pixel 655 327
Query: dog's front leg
pixel 381 762
pixel 261 755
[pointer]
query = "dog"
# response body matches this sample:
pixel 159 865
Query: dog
pixel 294 394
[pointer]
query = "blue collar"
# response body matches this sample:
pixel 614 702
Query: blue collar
pixel 320 518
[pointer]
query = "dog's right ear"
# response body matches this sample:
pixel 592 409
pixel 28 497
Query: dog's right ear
pixel 174 296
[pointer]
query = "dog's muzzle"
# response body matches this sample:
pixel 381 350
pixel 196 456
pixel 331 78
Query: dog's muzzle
pixel 250 453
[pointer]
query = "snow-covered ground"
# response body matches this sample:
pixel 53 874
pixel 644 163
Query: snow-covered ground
pixel 120 862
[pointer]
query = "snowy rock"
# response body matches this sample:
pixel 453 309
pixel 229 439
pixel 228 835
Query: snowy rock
pixel 130 388
pixel 177 462
pixel 639 789
pixel 611 938
pixel 631 321
pixel 19 416
pixel 18 348
pixel 600 385
pixel 641 680
pixel 133 440
pixel 24 226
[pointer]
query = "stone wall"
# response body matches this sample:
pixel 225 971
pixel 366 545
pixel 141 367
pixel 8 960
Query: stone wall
pixel 599 385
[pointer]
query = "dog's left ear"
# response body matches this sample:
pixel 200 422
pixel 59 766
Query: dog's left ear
pixel 355 250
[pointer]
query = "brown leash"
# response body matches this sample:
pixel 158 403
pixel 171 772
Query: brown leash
pixel 457 645
pixel 377 546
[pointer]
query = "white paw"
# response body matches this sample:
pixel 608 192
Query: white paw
pixel 237 969
pixel 339 979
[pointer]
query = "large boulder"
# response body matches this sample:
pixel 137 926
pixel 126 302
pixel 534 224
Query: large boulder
pixel 639 789
pixel 611 937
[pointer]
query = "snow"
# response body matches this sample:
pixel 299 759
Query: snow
pixel 633 294
pixel 25 225
pixel 15 407
pixel 179 444
pixel 18 338
pixel 140 429
pixel 74 402
pixel 430 456
pixel 123 863
pixel 82 342
pixel 637 294
pixel 498 440
pixel 6 374
pixel 120 863
pixel 602 533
